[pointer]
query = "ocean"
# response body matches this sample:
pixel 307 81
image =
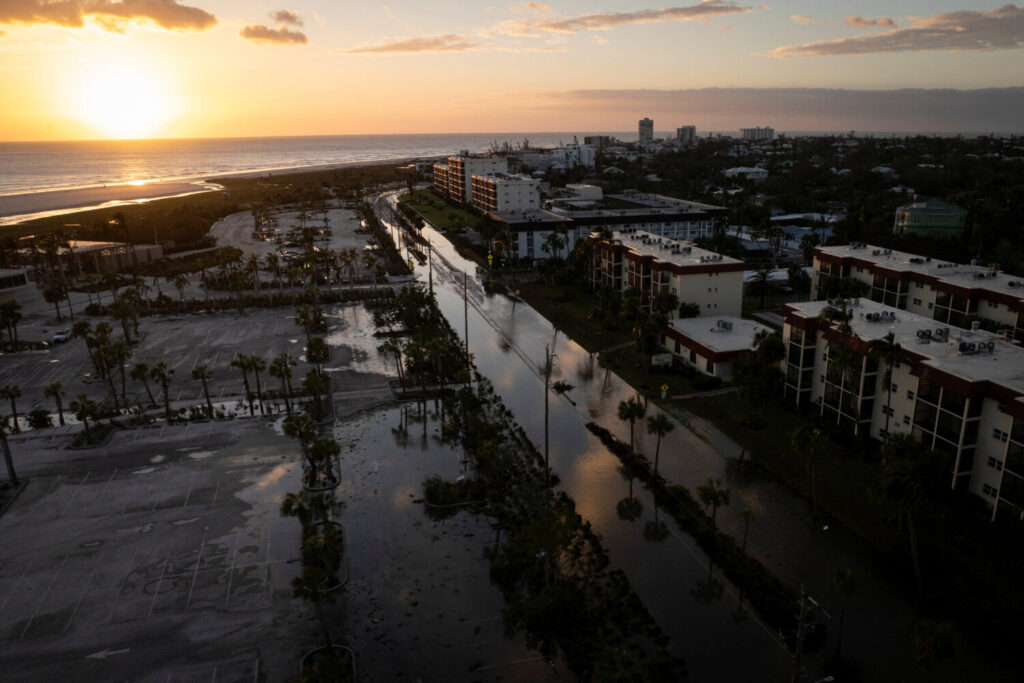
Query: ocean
pixel 37 166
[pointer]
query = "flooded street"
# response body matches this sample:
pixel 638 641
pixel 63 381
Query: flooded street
pixel 717 640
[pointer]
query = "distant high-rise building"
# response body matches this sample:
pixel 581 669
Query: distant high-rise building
pixel 597 140
pixel 646 130
pixel 757 134
pixel 686 136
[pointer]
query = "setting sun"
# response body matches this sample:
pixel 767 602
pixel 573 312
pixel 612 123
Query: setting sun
pixel 122 100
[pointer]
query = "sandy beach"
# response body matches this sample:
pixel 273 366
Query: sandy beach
pixel 56 200
pixel 17 208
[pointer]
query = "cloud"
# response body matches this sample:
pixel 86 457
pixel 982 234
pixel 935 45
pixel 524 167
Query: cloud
pixel 443 42
pixel 110 15
pixel 277 36
pixel 286 16
pixel 864 21
pixel 807 109
pixel 537 7
pixel 1000 29
pixel 804 19
pixel 604 21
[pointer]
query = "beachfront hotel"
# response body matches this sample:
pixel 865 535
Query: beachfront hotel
pixel 947 292
pixel 959 392
pixel 632 258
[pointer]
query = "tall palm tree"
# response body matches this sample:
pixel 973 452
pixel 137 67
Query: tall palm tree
pixel 886 350
pixel 713 495
pixel 12 476
pixel 749 517
pixel 810 440
pixel 630 411
pixel 162 374
pixel 203 375
pixel 53 390
pixel 243 363
pixel 393 347
pixel 258 365
pixel 180 282
pixel 905 465
pixel 12 392
pixel 141 373
pixel 281 368
pixel 846 584
pixel 84 407
pixel 659 424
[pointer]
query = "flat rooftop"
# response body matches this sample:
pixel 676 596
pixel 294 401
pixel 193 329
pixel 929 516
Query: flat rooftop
pixel 938 343
pixel 678 252
pixel 710 332
pixel 961 275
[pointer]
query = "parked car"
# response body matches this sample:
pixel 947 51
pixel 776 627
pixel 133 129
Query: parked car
pixel 61 336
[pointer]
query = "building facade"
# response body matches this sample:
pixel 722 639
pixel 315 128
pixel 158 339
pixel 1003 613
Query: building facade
pixel 653 264
pixel 949 293
pixel 454 179
pixel 930 218
pixel 645 130
pixel 493 193
pixel 709 345
pixel 686 136
pixel 765 134
pixel 958 392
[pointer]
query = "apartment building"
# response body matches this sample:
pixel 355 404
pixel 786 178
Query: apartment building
pixel 632 258
pixel 709 345
pixel 657 214
pixel 454 179
pixel 759 134
pixel 949 293
pixel 645 129
pixel 959 392
pixel 502 192
pixel 686 136
pixel 930 218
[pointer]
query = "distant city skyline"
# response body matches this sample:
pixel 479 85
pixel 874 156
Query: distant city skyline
pixel 210 68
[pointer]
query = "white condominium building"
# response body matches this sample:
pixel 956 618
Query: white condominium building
pixel 959 392
pixel 502 192
pixel 946 292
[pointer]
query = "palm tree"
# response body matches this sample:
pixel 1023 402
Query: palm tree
pixel 713 495
pixel 749 517
pixel 141 373
pixel 203 374
pixel 12 392
pixel 317 352
pixel 846 584
pixel 281 367
pixel 180 282
pixel 162 374
pixel 83 330
pixel 887 350
pixel 630 411
pixel 243 363
pixel 762 283
pixel 658 424
pixel 54 294
pixel 392 347
pixel 905 464
pixel 53 390
pixel 84 407
pixel 12 476
pixel 810 439
pixel 317 384
pixel 258 365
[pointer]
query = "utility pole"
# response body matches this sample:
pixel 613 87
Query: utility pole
pixel 430 261
pixel 465 317
pixel 547 380
pixel 799 636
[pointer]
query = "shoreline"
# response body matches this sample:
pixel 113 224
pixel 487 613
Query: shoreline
pixel 26 206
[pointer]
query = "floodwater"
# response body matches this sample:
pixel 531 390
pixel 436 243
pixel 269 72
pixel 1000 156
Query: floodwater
pixel 508 340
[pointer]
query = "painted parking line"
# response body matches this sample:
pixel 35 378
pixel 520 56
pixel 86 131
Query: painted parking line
pixel 195 574
pixel 42 599
pixel 85 591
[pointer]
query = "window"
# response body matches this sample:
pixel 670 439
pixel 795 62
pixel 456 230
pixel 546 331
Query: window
pixel 821 380
pixel 886 410
pixel 995 464
pixel 896 364
pixel 910 395
pixel 989 491
pixel 893 388
pixel 906 419
pixel 999 434
pixel 917 302
pixel 930 305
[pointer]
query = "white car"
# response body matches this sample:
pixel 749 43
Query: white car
pixel 61 336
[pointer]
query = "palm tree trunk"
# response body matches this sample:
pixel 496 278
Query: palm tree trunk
pixel 167 400
pixel 8 460
pixel 259 391
pixel 60 410
pixel 209 403
pixel 145 383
